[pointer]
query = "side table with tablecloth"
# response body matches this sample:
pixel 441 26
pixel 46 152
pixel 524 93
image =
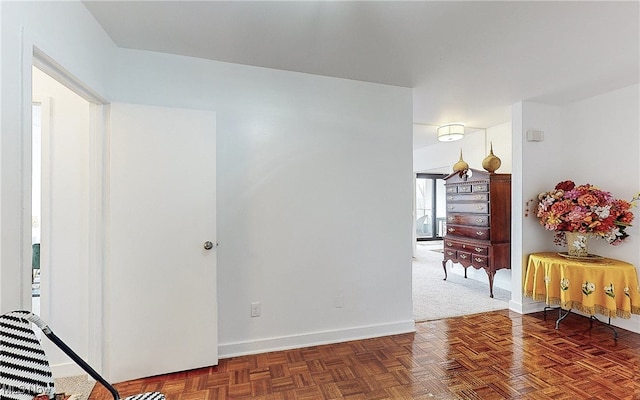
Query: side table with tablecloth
pixel 605 286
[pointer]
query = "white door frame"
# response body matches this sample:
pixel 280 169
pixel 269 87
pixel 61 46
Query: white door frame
pixel 98 159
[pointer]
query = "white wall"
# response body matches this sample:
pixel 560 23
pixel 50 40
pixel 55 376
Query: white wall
pixel 314 197
pixel 440 157
pixel 315 187
pixel 499 137
pixel 595 141
pixel 603 134
pixel 533 170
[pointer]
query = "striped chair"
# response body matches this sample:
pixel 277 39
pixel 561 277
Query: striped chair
pixel 24 368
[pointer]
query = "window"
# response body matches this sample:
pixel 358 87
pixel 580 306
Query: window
pixel 430 206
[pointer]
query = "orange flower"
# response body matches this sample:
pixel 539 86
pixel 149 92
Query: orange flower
pixel 588 200
pixel 562 207
pixel 626 217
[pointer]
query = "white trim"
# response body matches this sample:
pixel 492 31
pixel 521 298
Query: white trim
pixel 104 300
pixel 52 68
pixel 97 240
pixel 67 369
pixel 227 350
pixel 529 307
pixel 24 179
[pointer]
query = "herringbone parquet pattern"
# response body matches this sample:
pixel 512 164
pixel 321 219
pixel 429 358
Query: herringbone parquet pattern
pixel 497 355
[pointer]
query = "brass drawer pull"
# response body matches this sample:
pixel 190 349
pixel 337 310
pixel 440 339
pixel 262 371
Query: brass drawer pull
pixel 479 250
pixel 479 233
pixel 449 253
pixel 451 207
pixel 478 259
pixel 480 221
pixel 449 244
pixel 479 197
pixel 451 229
pixel 450 198
pixel 482 207
pixel 482 188
pixel 463 256
pixel 450 219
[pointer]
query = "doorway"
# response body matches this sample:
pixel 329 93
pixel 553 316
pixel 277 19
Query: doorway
pixel 65 208
pixel 430 207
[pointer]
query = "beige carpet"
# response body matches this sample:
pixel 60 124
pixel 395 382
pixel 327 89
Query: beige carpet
pixel 435 298
pixel 78 387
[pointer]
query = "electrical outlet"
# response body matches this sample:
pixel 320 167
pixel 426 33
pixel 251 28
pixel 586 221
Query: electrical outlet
pixel 255 309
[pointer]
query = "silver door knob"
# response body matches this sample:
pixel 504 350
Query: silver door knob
pixel 208 245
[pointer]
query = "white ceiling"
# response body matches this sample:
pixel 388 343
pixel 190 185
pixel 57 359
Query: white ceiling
pixel 466 61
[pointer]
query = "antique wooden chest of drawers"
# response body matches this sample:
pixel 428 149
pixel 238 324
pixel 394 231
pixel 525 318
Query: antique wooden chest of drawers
pixel 478 230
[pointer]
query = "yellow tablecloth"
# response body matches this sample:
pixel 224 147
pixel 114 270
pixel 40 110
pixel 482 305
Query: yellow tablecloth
pixel 606 286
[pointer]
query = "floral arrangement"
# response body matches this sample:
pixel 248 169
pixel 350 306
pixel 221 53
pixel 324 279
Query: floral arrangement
pixel 585 209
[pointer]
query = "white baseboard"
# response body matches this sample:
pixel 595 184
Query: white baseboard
pixel 227 350
pixel 66 369
pixel 529 308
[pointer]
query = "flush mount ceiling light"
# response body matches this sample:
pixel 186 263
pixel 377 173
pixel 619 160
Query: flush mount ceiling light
pixel 450 132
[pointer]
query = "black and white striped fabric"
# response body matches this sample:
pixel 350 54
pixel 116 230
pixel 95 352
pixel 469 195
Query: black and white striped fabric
pixel 24 369
pixel 147 396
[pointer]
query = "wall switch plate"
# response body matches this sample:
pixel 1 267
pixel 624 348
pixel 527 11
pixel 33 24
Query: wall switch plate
pixel 255 309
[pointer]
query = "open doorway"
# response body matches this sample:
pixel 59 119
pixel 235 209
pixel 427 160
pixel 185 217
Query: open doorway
pixel 59 196
pixel 65 210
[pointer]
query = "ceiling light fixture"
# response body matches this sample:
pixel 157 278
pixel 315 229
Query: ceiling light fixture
pixel 450 132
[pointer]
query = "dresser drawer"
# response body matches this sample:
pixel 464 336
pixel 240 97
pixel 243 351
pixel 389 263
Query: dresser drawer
pixel 454 245
pixel 464 256
pixel 478 250
pixel 479 261
pixel 466 219
pixel 468 197
pixel 480 187
pixel 480 208
pixel 468 231
pixel 467 257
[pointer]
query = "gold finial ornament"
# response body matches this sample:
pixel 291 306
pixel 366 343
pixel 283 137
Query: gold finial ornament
pixel 491 163
pixel 461 165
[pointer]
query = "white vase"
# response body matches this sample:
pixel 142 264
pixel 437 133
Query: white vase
pixel 577 244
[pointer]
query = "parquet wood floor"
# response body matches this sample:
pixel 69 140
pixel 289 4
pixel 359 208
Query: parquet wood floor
pixel 497 355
